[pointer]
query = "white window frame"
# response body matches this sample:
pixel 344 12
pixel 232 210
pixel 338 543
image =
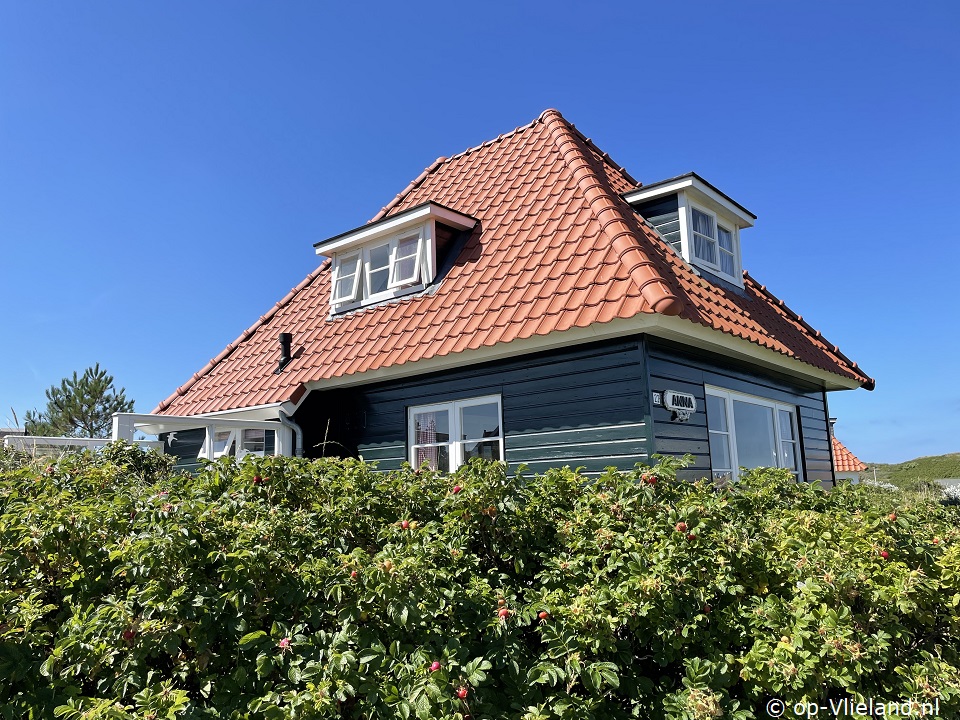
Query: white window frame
pixel 685 208
pixel 337 277
pixel 396 287
pixel 455 443
pixel 235 440
pixel 729 396
pixel 694 234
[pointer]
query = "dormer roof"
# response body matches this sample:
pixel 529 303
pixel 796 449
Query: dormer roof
pixel 557 256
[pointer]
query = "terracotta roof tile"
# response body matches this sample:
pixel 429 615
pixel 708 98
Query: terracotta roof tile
pixel 844 460
pixel 556 247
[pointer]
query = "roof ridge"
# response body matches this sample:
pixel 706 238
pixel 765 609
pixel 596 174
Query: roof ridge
pixel 223 354
pixel 870 383
pixel 416 182
pixel 614 223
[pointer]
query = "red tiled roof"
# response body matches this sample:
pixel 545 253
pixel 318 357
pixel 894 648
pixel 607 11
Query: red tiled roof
pixel 843 459
pixel 556 247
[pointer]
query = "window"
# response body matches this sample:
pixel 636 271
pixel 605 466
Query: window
pixel 748 432
pixel 250 441
pixel 704 236
pixel 445 436
pixel 382 271
pixel 712 244
pixel 346 276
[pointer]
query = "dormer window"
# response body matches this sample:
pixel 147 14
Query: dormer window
pixel 390 258
pixel 698 221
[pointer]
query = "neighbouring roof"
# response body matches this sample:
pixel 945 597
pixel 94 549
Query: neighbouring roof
pixel 556 248
pixel 844 460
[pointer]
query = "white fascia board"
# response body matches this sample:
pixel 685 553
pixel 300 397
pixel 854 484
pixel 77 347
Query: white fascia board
pixel 156 424
pixel 394 224
pixel 255 412
pixel 668 328
pixel 744 217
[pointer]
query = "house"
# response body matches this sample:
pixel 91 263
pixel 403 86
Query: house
pixel 846 465
pixel 526 300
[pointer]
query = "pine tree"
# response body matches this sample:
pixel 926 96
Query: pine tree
pixel 80 407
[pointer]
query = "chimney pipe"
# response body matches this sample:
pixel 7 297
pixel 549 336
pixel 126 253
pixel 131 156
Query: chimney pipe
pixel 286 339
pixel 832 421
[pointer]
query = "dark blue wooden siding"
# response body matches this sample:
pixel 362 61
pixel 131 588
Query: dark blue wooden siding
pixel 676 368
pixel 584 407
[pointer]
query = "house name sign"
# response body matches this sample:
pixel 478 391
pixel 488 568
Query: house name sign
pixel 682 405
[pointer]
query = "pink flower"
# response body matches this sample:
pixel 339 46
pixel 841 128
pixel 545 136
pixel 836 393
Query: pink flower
pixel 284 644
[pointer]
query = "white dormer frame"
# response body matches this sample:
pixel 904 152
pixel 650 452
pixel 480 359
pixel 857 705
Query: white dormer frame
pixel 693 192
pixel 390 233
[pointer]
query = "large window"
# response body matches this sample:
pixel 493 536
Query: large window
pixel 381 271
pixel 445 436
pixel 749 432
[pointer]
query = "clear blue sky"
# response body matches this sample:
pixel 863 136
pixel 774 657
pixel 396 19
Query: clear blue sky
pixel 165 167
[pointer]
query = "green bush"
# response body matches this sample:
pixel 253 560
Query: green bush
pixel 287 588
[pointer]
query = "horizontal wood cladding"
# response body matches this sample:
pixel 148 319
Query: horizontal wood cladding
pixel 685 370
pixel 584 406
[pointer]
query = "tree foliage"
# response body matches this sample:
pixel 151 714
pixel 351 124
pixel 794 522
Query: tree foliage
pixel 81 406
pixel 282 588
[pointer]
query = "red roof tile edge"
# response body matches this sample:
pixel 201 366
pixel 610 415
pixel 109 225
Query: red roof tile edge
pixel 843 459
pixel 867 382
pixel 264 319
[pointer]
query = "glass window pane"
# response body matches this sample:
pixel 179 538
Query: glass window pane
pixel 405 267
pixel 717 413
pixel 379 268
pixel 254 440
pixel 720 451
pixel 789 455
pixel 705 249
pixel 786 425
pixel 756 441
pixel 431 427
pixel 479 421
pixel 486 450
pixel 725 238
pixel 221 443
pixel 436 457
pixel 703 224
pixel 726 263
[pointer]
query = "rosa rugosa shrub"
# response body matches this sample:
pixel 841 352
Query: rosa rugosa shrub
pixel 288 588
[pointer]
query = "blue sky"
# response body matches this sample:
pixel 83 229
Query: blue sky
pixel 165 168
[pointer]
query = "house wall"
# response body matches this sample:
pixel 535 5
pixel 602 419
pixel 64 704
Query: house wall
pixel 677 368
pixel 585 406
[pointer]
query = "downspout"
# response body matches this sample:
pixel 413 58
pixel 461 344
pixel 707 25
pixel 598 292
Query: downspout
pixel 297 433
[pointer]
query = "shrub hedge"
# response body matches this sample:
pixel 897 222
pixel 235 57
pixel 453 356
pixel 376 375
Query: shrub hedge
pixel 288 588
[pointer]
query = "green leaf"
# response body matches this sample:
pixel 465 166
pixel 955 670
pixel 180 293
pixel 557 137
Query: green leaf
pixel 251 637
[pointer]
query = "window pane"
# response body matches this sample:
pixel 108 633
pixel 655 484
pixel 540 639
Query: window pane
pixel 406 262
pixel 220 443
pixel 756 441
pixel 789 455
pixel 705 249
pixel 720 451
pixel 717 413
pixel 431 427
pixel 703 224
pixel 479 421
pixel 786 425
pixel 254 440
pixel 725 238
pixel 347 278
pixel 437 457
pixel 485 450
pixel 379 268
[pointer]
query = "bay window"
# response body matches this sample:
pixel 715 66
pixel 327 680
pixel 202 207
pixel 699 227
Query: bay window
pixel 446 435
pixel 748 432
